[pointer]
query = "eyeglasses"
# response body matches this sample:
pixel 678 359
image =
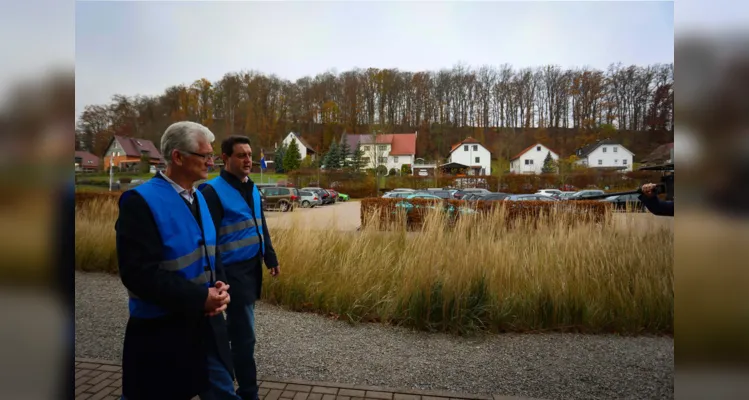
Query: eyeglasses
pixel 205 157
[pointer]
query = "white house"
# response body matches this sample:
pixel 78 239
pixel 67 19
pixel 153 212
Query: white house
pixel 607 154
pixel 391 151
pixel 531 160
pixel 472 155
pixel 304 148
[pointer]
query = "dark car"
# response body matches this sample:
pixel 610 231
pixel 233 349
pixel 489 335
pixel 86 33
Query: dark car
pixel 626 202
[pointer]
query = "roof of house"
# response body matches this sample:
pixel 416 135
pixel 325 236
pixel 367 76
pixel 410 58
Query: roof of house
pixel 87 159
pixel 587 149
pixel 465 141
pixel 401 144
pixel 661 153
pixel 527 149
pixel 303 142
pixel 134 147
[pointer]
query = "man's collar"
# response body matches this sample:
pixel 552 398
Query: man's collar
pixel 229 177
pixel 176 186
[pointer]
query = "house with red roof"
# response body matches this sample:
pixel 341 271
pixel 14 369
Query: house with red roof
pixel 391 151
pixel 468 157
pixel 86 162
pixel 531 159
pixel 126 152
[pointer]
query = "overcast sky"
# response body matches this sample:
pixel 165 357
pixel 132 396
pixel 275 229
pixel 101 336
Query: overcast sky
pixel 142 48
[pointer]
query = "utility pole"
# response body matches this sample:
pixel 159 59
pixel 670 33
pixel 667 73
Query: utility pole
pixel 111 170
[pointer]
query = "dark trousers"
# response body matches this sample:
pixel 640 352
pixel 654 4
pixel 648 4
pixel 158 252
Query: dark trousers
pixel 241 326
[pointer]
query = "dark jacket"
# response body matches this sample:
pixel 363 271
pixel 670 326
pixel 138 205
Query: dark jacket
pixel 245 277
pixel 164 358
pixel 658 207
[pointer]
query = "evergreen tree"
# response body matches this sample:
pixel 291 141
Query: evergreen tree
pixel 345 151
pixel 279 157
pixel 292 160
pixel 357 163
pixel 333 160
pixel 548 167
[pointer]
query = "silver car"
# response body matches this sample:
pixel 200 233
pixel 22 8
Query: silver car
pixel 309 199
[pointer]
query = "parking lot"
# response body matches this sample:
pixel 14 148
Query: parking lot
pixel 344 216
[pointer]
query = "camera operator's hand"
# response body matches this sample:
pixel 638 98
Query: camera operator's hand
pixel 648 189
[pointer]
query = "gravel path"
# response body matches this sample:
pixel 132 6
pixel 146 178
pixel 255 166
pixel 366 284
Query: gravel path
pixel 311 347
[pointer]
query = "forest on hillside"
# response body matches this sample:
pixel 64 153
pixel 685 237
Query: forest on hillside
pixel 504 107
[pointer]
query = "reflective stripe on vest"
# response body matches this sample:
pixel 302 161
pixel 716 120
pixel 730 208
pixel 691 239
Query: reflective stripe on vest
pixel 238 235
pixel 188 251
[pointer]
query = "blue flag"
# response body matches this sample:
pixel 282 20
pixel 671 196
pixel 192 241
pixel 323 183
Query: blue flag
pixel 262 161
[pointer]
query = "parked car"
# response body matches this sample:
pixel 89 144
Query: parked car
pixel 343 197
pixel 492 197
pixel 396 195
pixel 626 202
pixel 309 199
pixel 529 197
pixel 324 195
pixel 563 195
pixel 460 194
pixel 585 193
pixel 549 192
pixel 442 193
pixel 281 198
pixel 334 194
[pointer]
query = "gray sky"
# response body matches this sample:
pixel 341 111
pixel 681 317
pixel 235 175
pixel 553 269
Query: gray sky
pixel 143 47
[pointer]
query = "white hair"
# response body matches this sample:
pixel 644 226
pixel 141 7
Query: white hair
pixel 183 135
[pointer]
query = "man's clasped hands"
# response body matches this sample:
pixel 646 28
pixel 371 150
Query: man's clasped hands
pixel 217 300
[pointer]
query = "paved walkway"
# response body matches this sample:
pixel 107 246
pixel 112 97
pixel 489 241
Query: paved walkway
pixel 97 379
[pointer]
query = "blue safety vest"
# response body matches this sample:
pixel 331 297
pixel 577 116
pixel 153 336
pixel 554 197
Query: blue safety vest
pixel 239 236
pixel 188 251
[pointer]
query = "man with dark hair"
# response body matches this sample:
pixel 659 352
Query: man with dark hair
pixel 653 204
pixel 243 243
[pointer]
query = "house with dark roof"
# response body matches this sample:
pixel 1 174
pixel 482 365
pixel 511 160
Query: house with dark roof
pixel 468 157
pixel 86 162
pixel 392 151
pixel 304 148
pixel 126 152
pixel 663 154
pixel 531 159
pixel 605 154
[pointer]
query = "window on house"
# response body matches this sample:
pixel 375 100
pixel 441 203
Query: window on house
pixel 600 162
pixel 616 149
pixel 366 148
pixel 383 160
pixel 395 159
pixel 383 148
pixel 624 162
pixel 604 149
pixel 478 159
pixel 528 162
pixel 475 147
pixel 616 161
pixel 538 148
pixel 465 148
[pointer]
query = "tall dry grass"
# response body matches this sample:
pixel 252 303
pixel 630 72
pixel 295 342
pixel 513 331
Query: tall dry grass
pixel 476 275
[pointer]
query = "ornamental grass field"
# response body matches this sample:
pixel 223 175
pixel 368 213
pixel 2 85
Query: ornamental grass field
pixel 476 274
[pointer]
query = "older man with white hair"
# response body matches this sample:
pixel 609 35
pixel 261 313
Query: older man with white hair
pixel 176 344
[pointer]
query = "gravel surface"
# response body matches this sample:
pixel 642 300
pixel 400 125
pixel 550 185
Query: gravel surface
pixel 311 347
